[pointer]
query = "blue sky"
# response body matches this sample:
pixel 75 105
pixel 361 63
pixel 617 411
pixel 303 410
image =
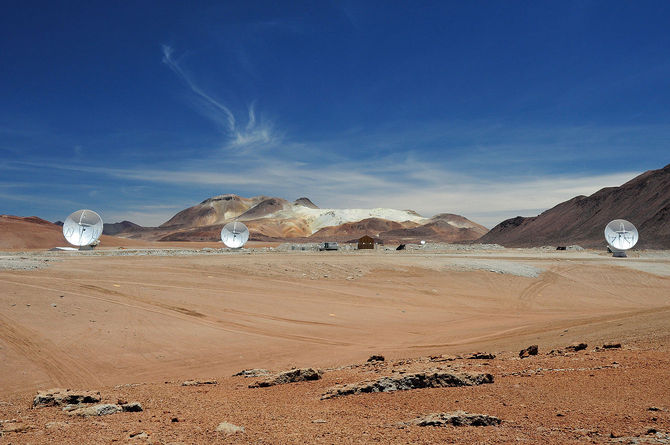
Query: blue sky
pixel 485 109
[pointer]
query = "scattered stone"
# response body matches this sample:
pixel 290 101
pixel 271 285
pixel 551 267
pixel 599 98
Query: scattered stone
pixel 294 375
pixel 444 358
pixel 102 409
pixel 457 418
pixel 318 421
pixel 139 435
pixel 228 428
pixel 530 350
pixel 174 419
pixel 198 382
pixel 576 347
pixel 376 358
pixel 654 408
pixel 256 372
pixel 133 407
pixel 481 356
pixel 435 379
pixel 60 397
pixel 612 346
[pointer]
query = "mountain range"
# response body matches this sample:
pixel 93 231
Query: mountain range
pixel 644 201
pixel 277 219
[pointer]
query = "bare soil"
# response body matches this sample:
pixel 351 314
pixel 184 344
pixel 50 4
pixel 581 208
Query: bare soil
pixel 134 327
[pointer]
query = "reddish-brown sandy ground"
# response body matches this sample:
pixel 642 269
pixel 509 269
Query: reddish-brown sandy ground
pixel 149 322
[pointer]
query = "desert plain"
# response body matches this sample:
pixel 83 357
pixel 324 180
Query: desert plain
pixel 134 324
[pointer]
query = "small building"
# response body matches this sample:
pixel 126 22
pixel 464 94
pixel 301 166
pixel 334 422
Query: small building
pixel 366 242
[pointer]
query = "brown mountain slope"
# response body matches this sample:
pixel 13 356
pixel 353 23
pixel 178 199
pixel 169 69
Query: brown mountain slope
pixel 278 219
pixel 31 232
pixel 354 230
pixel 644 201
pixel 265 208
pixel 444 227
pixel 214 210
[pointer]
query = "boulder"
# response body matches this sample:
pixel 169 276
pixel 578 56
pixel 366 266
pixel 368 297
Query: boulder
pixel 294 375
pixel 133 407
pixel 576 347
pixel 60 397
pixel 481 356
pixel 376 358
pixel 436 379
pixel 102 409
pixel 530 350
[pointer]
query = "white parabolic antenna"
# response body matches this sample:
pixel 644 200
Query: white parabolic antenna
pixel 621 235
pixel 82 228
pixel 234 234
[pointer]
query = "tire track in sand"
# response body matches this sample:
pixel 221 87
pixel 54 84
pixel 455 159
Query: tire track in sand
pixel 186 314
pixel 547 278
pixel 61 368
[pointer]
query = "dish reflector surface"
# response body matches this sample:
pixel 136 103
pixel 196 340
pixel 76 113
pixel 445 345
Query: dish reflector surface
pixel 82 228
pixel 621 234
pixel 234 234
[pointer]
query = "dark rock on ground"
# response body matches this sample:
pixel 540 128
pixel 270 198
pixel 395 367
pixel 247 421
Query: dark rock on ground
pixel 133 407
pixel 376 358
pixel 457 418
pixel 481 356
pixel 294 375
pixel 437 379
pixel 612 346
pixel 103 409
pixel 576 347
pixel 60 397
pixel 530 350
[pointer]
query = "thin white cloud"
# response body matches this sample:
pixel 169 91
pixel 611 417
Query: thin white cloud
pixel 255 135
pixel 174 66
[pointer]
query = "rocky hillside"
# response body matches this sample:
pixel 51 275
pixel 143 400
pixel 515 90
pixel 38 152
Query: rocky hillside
pixel 644 201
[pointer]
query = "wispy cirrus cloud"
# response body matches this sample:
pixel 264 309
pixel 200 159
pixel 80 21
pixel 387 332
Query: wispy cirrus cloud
pixel 255 134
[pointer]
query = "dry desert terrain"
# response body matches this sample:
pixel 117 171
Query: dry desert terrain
pixel 134 324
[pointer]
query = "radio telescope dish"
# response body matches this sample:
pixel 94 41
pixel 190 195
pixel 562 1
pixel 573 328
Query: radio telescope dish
pixel 621 235
pixel 82 228
pixel 234 235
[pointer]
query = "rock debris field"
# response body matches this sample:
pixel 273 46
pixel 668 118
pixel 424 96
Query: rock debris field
pixel 455 344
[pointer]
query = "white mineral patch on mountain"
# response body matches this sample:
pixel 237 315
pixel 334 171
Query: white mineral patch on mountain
pixel 320 218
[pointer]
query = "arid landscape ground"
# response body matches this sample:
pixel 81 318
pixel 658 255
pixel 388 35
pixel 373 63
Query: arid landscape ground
pixel 136 323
